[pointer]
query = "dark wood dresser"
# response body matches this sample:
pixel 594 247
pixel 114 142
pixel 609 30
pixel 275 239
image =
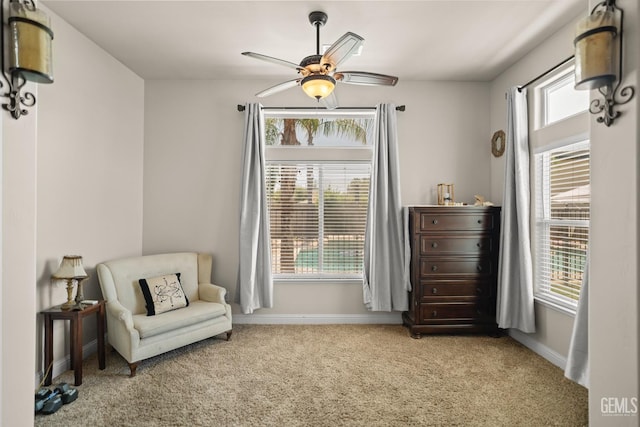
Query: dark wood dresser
pixel 454 263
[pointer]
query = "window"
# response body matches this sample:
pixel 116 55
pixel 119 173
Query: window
pixel 561 192
pixel 560 100
pixel 562 221
pixel 318 173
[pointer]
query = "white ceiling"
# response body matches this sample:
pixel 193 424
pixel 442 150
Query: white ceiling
pixel 415 40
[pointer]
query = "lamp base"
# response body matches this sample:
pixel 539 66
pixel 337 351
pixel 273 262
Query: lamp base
pixel 68 306
pixel 70 302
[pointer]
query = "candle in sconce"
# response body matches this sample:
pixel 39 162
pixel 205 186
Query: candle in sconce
pixel 30 43
pixel 596 50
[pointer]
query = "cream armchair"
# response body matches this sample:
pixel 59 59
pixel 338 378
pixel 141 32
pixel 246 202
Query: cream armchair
pixel 137 336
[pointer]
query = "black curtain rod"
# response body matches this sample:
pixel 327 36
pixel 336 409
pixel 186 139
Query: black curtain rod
pixel 398 108
pixel 535 79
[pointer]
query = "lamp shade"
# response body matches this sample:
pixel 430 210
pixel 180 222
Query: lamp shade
pixel 70 268
pixel 30 43
pixel 596 50
pixel 318 85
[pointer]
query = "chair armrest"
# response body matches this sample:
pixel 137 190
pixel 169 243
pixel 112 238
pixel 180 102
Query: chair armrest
pixel 119 312
pixel 212 293
pixel 120 331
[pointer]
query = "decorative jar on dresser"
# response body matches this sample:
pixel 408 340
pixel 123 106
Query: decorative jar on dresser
pixel 454 263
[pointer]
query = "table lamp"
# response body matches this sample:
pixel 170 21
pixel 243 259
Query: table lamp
pixel 71 270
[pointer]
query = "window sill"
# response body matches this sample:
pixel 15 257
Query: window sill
pixel 317 281
pixel 555 306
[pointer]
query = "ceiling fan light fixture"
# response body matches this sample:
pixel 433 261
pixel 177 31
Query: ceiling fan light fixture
pixel 318 85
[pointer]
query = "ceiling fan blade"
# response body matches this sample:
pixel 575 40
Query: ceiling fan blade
pixel 272 60
pixel 342 49
pixel 364 78
pixel 330 102
pixel 278 88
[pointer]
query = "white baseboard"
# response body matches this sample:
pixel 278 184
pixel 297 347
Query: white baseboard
pixel 318 319
pixel 62 365
pixel 552 356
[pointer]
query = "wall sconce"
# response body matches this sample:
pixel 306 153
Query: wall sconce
pixel 71 270
pixel 598 59
pixel 29 53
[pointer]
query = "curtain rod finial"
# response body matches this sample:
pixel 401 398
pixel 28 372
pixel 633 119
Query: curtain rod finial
pixel 240 107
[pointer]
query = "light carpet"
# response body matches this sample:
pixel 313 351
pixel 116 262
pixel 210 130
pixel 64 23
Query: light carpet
pixel 328 375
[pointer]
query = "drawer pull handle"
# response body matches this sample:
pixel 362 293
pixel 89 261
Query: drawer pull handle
pixel 479 244
pixel 434 268
pixel 435 221
pixel 479 221
pixel 434 290
pixel 434 314
pixel 479 268
pixel 434 245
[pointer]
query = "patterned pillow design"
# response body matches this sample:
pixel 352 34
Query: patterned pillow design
pixel 163 293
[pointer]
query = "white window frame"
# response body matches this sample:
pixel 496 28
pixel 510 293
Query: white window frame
pixel 362 155
pixel 543 224
pixel 544 136
pixel 554 80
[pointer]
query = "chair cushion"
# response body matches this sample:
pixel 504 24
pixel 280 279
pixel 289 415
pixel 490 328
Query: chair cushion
pixel 163 293
pixel 196 312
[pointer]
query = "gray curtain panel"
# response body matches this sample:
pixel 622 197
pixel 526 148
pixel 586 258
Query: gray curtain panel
pixel 255 284
pixel 384 285
pixel 577 368
pixel 515 270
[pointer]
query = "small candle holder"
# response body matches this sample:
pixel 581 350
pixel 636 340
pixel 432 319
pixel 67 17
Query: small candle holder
pixel 445 195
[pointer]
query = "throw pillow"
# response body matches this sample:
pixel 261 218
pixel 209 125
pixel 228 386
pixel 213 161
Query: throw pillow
pixel 163 293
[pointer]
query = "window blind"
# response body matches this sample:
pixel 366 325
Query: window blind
pixel 563 199
pixel 318 213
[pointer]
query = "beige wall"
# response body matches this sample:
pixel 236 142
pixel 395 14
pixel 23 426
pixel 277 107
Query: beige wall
pixel 72 184
pixel 18 296
pixel 89 179
pixel 192 166
pixel 613 289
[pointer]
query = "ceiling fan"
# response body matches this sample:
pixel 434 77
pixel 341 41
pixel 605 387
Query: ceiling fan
pixel 319 73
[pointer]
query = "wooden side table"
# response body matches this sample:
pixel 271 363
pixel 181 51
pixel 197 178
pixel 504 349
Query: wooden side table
pixel 75 317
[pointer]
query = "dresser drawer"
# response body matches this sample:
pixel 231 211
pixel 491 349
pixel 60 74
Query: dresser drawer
pixel 434 290
pixel 450 245
pixel 450 311
pixel 433 221
pixel 473 267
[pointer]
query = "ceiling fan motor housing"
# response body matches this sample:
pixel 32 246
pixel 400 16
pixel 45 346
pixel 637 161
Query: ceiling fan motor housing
pixel 312 65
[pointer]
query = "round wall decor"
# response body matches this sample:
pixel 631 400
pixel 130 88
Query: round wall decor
pixel 498 142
